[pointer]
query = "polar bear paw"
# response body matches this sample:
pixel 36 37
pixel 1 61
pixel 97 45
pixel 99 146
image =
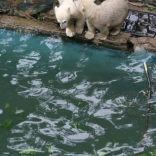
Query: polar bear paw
pixel 101 37
pixel 69 32
pixel 89 35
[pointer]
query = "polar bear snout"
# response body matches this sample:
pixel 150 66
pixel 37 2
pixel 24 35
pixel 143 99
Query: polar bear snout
pixel 63 25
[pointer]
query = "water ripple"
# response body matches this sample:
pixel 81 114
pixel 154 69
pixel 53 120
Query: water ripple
pixel 78 99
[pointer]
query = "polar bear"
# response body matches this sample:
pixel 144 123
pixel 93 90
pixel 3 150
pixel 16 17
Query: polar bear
pixel 69 17
pixel 106 17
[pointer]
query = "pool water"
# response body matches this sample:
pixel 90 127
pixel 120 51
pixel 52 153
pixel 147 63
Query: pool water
pixel 63 98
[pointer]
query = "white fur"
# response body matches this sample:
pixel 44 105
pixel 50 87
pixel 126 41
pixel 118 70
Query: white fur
pixel 60 2
pixel 107 17
pixel 66 14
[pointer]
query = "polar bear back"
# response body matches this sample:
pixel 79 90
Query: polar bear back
pixel 112 12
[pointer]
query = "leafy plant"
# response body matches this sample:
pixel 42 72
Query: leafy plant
pixel 40 18
pixel 150 9
pixel 79 103
pixel 143 154
pixel 7 105
pixel 29 151
pixel 6 124
pixel 50 150
pixel 76 125
pixel 20 111
pixel 100 153
pixel 152 154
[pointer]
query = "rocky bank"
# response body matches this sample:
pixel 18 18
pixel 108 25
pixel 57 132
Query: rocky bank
pixel 37 17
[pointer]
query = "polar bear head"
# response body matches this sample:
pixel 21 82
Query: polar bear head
pixel 79 5
pixel 62 15
pixel 82 4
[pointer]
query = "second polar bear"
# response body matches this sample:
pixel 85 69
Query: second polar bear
pixel 69 17
pixel 107 17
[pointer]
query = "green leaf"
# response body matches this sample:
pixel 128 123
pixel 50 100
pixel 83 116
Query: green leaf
pixel 143 154
pixel 6 123
pixel 29 151
pixel 78 126
pixel 20 111
pixel 150 9
pixel 101 153
pixel 7 105
pixel 152 154
pixel 40 18
pixel 50 150
pixel 79 103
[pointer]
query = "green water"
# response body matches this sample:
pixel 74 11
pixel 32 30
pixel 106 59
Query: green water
pixel 62 98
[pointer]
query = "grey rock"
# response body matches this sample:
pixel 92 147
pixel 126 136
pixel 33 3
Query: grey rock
pixel 42 7
pixel 23 6
pixel 5 5
pixel 152 2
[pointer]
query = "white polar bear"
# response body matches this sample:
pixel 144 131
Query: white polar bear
pixel 69 17
pixel 107 17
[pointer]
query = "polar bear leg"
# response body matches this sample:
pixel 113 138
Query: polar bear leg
pixel 91 30
pixel 115 30
pixel 70 31
pixel 103 34
pixel 79 26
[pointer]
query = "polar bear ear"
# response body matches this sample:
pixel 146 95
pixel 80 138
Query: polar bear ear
pixel 55 9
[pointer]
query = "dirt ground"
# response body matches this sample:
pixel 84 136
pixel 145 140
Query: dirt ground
pixel 40 20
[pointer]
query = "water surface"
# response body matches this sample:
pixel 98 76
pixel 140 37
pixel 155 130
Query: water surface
pixel 74 99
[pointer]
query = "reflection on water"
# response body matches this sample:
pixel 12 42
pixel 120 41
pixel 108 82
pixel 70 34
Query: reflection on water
pixel 78 99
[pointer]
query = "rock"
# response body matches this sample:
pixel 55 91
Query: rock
pixel 23 6
pixel 144 42
pixel 5 5
pixel 136 0
pixel 152 2
pixel 42 7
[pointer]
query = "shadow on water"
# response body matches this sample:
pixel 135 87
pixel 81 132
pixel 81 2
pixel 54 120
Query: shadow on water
pixel 76 99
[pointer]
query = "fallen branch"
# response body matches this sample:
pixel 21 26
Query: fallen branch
pixel 148 94
pixel 149 81
pixel 148 103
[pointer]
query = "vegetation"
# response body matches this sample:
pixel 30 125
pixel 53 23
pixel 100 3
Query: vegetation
pixel 29 151
pixel 150 9
pixel 5 124
pixel 40 18
pixel 49 148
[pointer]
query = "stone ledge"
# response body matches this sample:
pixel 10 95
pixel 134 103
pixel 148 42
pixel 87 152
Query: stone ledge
pixel 23 22
pixel 48 28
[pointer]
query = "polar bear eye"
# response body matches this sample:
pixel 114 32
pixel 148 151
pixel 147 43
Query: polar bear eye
pixel 64 22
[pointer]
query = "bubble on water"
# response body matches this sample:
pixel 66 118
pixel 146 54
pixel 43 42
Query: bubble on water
pixel 1 111
pixel 14 81
pixel 139 50
pixel 5 75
